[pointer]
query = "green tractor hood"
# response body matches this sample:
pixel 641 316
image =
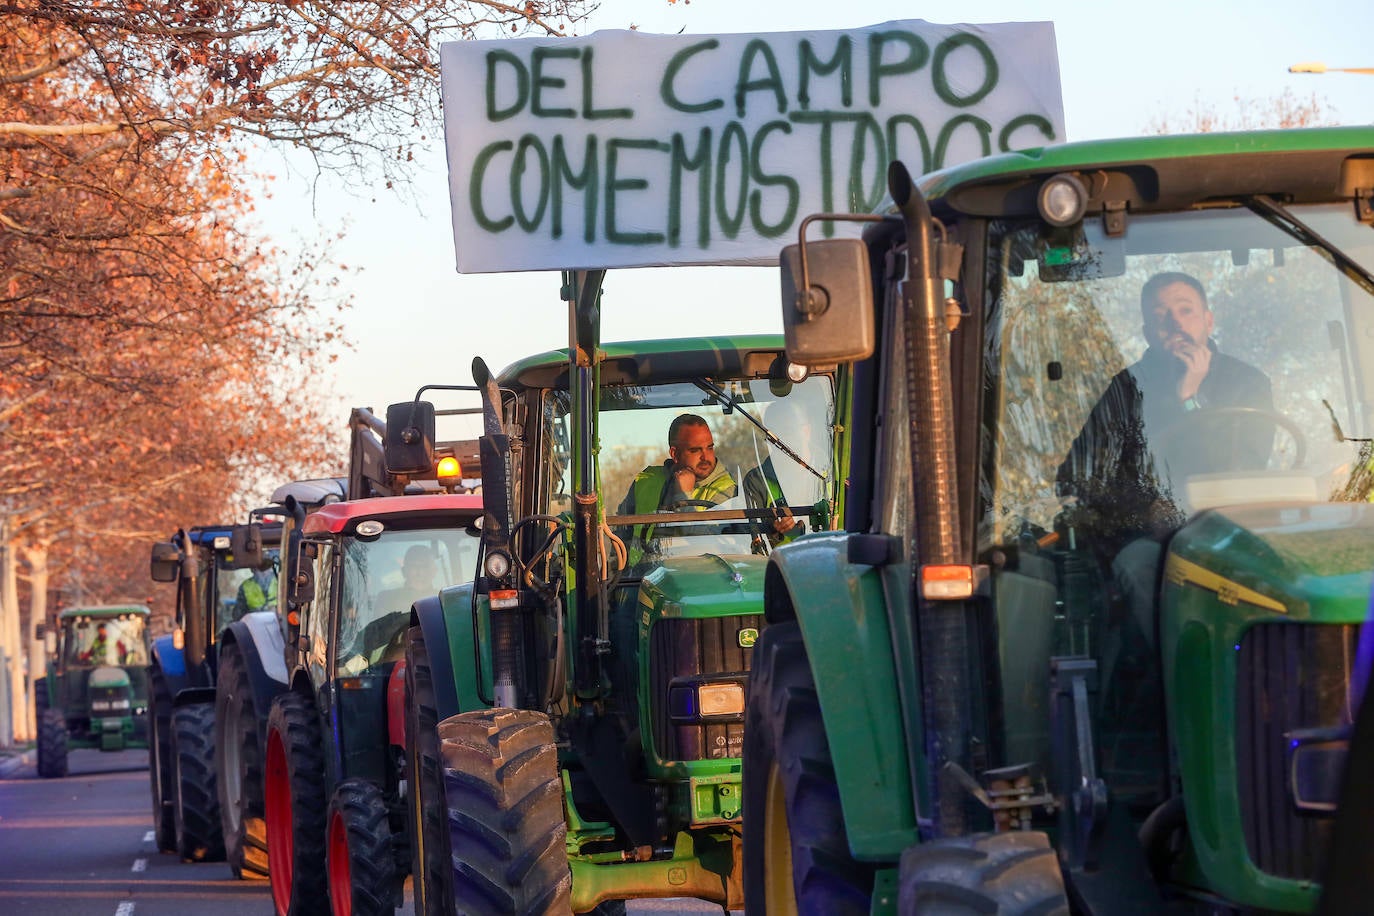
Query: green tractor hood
pixel 1259 618
pixel 705 586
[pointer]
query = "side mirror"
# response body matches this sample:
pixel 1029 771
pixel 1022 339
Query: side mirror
pixel 301 588
pixel 833 321
pixel 408 445
pixel 165 565
pixel 245 545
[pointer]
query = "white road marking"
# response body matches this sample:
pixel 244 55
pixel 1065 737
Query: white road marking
pixel 149 837
pixel 125 909
pixel 140 865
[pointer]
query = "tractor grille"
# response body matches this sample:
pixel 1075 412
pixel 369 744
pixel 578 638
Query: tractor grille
pixel 111 701
pixel 1290 677
pixel 682 647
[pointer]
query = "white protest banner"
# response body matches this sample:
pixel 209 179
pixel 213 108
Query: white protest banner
pixel 625 149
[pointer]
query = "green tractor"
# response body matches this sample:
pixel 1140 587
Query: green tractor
pixel 1088 640
pixel 576 714
pixel 95 691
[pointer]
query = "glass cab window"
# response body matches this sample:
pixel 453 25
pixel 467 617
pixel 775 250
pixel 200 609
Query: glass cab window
pixel 243 591
pixel 735 466
pixel 1201 360
pixel 382 577
pixel 116 641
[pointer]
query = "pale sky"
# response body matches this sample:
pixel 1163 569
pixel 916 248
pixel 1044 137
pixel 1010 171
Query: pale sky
pixel 415 320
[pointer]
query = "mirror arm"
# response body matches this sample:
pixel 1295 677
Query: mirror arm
pixel 808 302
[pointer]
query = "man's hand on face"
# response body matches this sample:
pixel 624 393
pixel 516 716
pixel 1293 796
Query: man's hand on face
pixel 1196 359
pixel 686 479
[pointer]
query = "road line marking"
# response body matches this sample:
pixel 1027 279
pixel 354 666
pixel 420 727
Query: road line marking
pixel 125 909
pixel 140 865
pixel 149 837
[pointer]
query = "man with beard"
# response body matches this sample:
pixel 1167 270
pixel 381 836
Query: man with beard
pixel 1171 415
pixel 690 473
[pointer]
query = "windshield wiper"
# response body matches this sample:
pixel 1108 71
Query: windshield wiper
pixel 1286 220
pixel 711 388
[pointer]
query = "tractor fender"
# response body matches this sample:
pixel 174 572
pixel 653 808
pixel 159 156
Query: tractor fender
pixel 172 662
pixel 842 612
pixel 190 696
pixel 428 615
pixel 259 641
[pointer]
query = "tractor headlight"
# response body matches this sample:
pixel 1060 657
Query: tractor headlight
pixel 692 702
pixel 1062 200
pixel 497 565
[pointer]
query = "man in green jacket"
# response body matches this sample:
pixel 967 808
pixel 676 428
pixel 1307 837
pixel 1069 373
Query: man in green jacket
pixel 690 475
pixel 690 472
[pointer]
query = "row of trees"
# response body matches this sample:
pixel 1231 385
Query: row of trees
pixel 156 355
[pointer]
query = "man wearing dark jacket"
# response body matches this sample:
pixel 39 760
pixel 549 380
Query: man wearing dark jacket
pixel 1159 422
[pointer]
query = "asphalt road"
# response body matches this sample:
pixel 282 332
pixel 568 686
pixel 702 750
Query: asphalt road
pixel 83 846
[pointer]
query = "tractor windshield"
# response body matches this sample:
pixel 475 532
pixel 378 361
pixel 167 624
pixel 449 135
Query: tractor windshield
pixel 242 591
pixel 740 483
pixel 95 641
pixel 1201 360
pixel 383 577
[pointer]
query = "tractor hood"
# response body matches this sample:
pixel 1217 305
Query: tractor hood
pixel 1303 561
pixel 108 677
pixel 706 586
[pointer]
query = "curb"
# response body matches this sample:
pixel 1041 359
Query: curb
pixel 12 765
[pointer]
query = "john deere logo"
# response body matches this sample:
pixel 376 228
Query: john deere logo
pixel 747 637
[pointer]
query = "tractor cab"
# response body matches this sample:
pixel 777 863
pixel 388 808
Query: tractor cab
pixel 95 692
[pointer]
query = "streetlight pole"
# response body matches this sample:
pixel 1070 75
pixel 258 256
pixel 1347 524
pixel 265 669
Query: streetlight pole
pixel 1317 67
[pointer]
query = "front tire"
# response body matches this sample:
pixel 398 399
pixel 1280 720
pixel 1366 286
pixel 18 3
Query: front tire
pixel 796 851
pixel 1010 874
pixel 430 866
pixel 295 808
pixel 505 813
pixel 196 808
pixel 238 761
pixel 361 861
pixel 160 762
pixel 52 744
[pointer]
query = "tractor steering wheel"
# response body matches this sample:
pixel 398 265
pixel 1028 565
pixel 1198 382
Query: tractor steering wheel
pixel 1191 421
pixel 693 503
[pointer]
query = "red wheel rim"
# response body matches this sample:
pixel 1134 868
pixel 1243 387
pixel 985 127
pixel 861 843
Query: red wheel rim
pixel 340 878
pixel 277 801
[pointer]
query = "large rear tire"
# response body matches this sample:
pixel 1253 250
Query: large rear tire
pixel 196 808
pixel 238 762
pixel 430 866
pixel 52 744
pixel 1010 874
pixel 360 858
pixel 796 851
pixel 160 762
pixel 505 813
pixel 295 808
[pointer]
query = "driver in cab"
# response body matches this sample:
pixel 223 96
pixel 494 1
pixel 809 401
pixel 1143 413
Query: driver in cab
pixel 1166 417
pixel 1184 408
pixel 690 472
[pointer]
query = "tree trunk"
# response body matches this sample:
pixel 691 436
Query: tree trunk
pixel 39 574
pixel 14 727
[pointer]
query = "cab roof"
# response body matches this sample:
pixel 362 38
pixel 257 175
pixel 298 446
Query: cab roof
pixel 1166 172
pixel 335 517
pixel 644 361
pixel 103 611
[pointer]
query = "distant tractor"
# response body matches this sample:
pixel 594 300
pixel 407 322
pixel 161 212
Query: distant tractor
pixel 95 691
pixel 214 589
pixel 226 582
